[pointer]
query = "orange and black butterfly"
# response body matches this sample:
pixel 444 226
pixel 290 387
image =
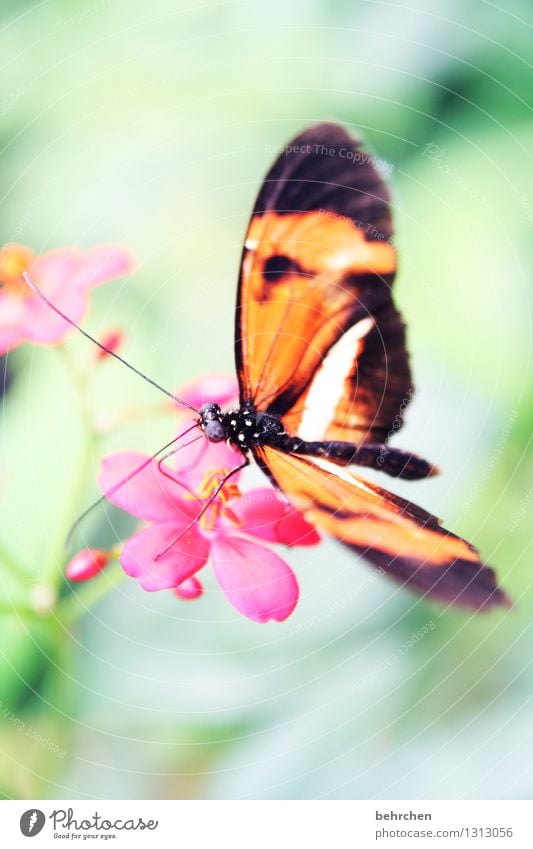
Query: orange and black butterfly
pixel 323 369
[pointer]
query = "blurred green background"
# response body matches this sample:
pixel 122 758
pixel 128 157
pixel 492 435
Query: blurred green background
pixel 152 124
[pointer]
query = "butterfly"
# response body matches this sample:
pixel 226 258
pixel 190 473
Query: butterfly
pixel 323 368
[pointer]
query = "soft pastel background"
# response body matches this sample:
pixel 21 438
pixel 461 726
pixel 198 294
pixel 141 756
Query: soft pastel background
pixel 152 124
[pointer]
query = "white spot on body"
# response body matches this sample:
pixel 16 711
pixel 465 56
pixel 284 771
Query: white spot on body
pixel 328 385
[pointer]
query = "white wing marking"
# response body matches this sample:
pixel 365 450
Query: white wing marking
pixel 327 387
pixel 340 472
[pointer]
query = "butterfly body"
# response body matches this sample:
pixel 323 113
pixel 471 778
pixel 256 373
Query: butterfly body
pixel 246 428
pixel 243 428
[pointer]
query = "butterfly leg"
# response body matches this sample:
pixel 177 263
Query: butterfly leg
pixel 392 461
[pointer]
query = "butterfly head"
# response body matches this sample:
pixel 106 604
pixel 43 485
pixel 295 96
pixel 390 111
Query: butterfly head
pixel 212 423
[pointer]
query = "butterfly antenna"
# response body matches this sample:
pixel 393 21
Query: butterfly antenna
pixel 102 347
pixel 74 527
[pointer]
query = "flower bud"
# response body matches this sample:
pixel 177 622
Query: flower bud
pixel 112 340
pixel 87 563
pixel 189 589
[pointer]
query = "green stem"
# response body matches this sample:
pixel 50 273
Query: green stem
pixel 51 574
pixel 75 605
pixel 13 564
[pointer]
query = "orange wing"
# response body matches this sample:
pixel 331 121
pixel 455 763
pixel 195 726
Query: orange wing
pixel 397 536
pixel 314 307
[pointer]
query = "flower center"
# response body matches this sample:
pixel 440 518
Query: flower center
pixel 14 260
pixel 218 507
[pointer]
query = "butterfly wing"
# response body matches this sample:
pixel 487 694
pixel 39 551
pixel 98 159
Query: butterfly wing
pixel 402 539
pixel 318 339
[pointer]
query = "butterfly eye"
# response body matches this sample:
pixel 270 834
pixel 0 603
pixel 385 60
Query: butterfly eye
pixel 215 431
pixel 211 423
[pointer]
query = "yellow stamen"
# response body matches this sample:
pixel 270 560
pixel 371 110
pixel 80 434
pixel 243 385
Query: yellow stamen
pixel 206 490
pixel 233 518
pixel 14 260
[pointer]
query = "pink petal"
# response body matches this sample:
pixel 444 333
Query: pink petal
pixel 104 263
pixel 190 589
pixel 139 556
pixel 265 514
pixel 10 339
pixel 12 310
pixel 65 267
pixel 15 318
pixel 65 276
pixel 202 460
pixel 44 326
pixel 220 389
pixel 149 495
pixel 256 581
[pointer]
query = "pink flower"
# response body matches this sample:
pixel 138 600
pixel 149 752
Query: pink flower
pixel 65 275
pixel 175 545
pixel 213 388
